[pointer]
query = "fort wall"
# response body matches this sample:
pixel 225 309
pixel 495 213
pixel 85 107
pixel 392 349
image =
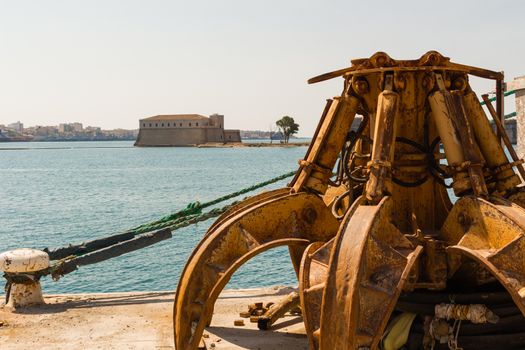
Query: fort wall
pixel 171 137
pixel 232 135
pixel 184 130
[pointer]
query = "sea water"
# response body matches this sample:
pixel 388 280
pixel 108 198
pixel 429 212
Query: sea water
pixel 56 193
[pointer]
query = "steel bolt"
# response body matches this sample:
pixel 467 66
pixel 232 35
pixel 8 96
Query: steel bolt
pixel 360 86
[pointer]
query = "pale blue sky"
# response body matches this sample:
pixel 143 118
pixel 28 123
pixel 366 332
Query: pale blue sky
pixel 109 63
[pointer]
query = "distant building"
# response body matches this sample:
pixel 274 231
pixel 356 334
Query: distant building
pixel 77 127
pixel 510 128
pixel 184 130
pixel 63 128
pixel 93 129
pixel 70 127
pixel 18 127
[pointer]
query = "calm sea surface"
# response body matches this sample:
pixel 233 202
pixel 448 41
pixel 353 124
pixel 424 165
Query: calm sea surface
pixel 53 194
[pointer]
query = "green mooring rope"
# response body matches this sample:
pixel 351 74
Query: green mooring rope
pixel 182 218
pixel 505 94
pixel 194 210
pixel 510 115
pixel 190 215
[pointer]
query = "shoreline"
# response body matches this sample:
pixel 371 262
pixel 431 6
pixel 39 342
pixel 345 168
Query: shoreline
pixel 206 145
pixel 252 144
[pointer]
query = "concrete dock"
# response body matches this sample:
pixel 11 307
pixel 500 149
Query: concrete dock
pixel 141 320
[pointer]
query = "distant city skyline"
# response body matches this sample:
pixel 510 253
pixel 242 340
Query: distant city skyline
pixel 110 63
pixel 19 126
pixel 74 131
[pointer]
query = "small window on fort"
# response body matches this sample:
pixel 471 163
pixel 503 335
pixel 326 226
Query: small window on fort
pixel 230 137
pixel 196 124
pixel 162 124
pixel 220 125
pixel 150 125
pixel 180 124
pixel 156 124
pixel 190 124
pixel 143 125
pixel 168 125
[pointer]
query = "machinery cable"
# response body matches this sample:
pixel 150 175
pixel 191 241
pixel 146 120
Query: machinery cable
pixel 419 147
pixel 348 152
pixel 337 203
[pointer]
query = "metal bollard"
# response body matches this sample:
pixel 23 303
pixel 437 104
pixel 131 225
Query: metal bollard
pixel 23 286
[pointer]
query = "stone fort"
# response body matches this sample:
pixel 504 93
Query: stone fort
pixel 184 130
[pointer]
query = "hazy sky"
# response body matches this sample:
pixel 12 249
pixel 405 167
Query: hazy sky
pixel 108 63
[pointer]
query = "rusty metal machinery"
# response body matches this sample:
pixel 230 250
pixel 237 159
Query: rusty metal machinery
pixel 416 242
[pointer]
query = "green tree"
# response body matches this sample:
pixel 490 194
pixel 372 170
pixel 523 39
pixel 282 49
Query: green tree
pixel 287 126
